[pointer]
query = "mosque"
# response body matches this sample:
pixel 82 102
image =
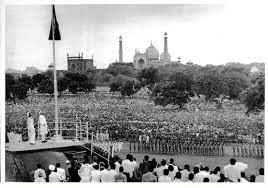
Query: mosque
pixel 151 56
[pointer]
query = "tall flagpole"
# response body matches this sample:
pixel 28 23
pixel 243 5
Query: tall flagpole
pixel 55 76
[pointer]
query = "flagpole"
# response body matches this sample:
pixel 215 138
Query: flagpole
pixel 55 78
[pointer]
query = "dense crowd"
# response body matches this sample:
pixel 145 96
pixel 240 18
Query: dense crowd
pixel 134 116
pixel 128 170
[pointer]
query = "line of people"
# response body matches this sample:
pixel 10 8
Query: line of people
pixel 174 147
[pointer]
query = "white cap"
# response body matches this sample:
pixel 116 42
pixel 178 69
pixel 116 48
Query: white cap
pixel 51 167
pixel 67 162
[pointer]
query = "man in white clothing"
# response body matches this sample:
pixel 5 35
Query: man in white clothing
pixel 128 165
pixel 95 174
pixel 232 172
pixel 38 171
pixel 53 176
pixel 43 126
pixel 165 177
pixel 203 173
pixel 159 170
pixel 85 171
pixel 61 172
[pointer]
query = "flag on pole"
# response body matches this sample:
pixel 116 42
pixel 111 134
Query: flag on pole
pixel 55 26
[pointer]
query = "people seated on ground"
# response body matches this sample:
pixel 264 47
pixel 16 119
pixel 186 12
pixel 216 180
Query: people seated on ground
pixel 120 177
pixel 222 178
pixel 109 176
pixel 165 177
pixel 206 180
pixel 260 177
pixel 53 176
pixel 190 177
pixel 232 171
pixel 177 177
pixel 185 173
pixel 171 162
pixel 159 171
pixel 171 173
pixel 149 176
pixel 214 176
pixel 39 171
pixel 203 173
pixel 61 172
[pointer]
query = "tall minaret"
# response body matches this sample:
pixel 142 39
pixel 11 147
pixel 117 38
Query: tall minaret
pixel 165 43
pixel 165 56
pixel 120 50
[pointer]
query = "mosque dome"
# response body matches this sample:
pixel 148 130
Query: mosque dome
pixel 152 52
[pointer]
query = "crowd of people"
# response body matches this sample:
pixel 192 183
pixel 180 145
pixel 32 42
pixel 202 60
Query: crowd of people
pixel 135 116
pixel 149 170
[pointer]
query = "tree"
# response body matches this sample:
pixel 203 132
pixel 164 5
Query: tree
pixel 213 86
pixel 46 86
pixel 115 86
pixel 63 84
pixel 27 80
pixel 19 90
pixel 129 88
pixel 236 83
pixel 73 87
pixel 253 96
pixel 10 81
pixel 16 89
pixel 149 76
pixel 126 69
pixel 117 82
pixel 38 78
pixel 176 91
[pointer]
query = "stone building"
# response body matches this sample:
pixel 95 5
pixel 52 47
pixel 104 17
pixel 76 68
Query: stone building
pixel 151 56
pixel 77 64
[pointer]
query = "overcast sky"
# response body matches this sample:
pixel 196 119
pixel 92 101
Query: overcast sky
pixel 203 34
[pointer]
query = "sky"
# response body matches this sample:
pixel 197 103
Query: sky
pixel 203 34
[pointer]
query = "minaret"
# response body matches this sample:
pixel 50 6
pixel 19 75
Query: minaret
pixel 120 50
pixel 165 56
pixel 165 43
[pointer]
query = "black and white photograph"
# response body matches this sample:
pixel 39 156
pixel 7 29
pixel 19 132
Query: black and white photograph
pixel 130 93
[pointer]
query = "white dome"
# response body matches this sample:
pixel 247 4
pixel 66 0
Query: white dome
pixel 152 53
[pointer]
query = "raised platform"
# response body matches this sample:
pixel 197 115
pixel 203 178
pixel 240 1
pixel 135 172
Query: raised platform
pixel 26 146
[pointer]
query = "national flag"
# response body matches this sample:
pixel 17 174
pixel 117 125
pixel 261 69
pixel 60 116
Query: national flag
pixel 55 26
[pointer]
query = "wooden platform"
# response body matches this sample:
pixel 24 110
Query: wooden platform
pixel 26 146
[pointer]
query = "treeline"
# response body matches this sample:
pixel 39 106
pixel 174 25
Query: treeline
pixel 176 84
pixel 17 88
pixel 170 84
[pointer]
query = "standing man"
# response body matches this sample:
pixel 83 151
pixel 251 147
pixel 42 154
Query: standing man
pixel 31 130
pixel 43 126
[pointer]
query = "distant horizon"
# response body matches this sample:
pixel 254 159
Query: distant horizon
pixel 132 62
pixel 203 34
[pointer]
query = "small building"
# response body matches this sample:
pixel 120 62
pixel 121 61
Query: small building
pixel 77 64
